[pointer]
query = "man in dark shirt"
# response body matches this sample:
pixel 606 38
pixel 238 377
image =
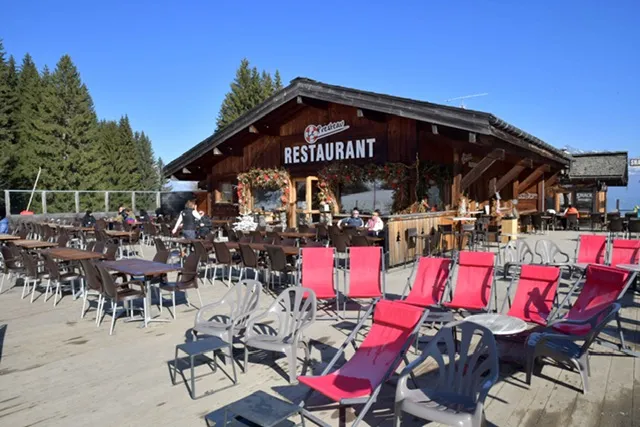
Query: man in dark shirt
pixel 353 221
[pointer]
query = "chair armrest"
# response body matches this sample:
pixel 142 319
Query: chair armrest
pixel 549 336
pixel 132 282
pixel 205 308
pixel 253 320
pixel 248 316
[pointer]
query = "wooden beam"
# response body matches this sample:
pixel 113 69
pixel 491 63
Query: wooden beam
pixel 480 168
pixel 513 173
pixel 310 102
pixel 434 129
pixel 533 176
pixel 548 182
pixel 472 137
pixel 257 129
pixel 492 187
pixel 253 129
pixel 372 115
pixel 457 177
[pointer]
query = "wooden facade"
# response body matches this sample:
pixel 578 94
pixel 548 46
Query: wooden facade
pixel 483 154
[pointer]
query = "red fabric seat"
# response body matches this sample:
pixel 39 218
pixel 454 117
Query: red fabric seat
pixel 602 287
pixel 592 249
pixel 430 282
pixel 535 294
pixel 379 354
pixel 625 252
pixel 474 282
pixel 365 266
pixel 317 272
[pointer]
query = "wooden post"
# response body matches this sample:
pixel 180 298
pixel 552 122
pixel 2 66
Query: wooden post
pixel 106 201
pixel 541 195
pixel 516 193
pixel 133 202
pixel 7 202
pixel 43 195
pixel 457 178
pixel 76 196
pixel 512 173
pixel 481 167
pixel 158 201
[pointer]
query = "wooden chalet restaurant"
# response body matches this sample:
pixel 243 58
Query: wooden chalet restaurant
pixel 313 151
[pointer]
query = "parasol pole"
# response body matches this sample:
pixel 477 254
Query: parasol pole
pixel 35 184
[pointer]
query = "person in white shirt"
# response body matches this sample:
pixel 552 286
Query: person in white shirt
pixel 187 219
pixel 375 224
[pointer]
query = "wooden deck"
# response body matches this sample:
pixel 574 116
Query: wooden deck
pixel 59 370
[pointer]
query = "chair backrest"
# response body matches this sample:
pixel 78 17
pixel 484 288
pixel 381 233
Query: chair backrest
pixel 603 286
pixel 99 246
pixel 340 242
pixel 597 322
pixel 359 240
pixel 616 225
pixel 322 232
pixel 624 252
pixel 535 294
pixel 10 261
pixel 366 272
pixel 275 237
pixel 592 249
pixel 550 253
pixel 295 308
pixel 91 275
pixel 190 269
pixel 223 254
pixel 288 242
pixel 30 264
pixel 160 246
pixel 430 282
pixel 518 251
pixel 256 236
pixel 199 249
pixel 161 256
pixel 474 281
pixel 380 353
pixel 248 255
pixel 277 258
pixel 110 253
pixel 242 299
pixel 317 271
pixel 108 283
pixel 63 239
pixel 51 267
pixel 634 225
pixel 471 362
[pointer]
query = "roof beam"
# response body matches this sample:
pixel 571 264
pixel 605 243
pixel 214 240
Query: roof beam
pixel 372 115
pixel 481 167
pixel 533 176
pixel 310 102
pixel 264 130
pixel 512 174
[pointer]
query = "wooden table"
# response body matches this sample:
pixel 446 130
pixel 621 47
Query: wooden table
pixel 296 234
pixel 34 244
pixel 5 237
pixel 137 267
pixel 71 254
pixel 118 234
pixel 288 250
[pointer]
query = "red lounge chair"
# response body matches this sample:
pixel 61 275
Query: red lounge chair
pixel 602 287
pixel 624 252
pixel 535 294
pixel 429 283
pixel 360 379
pixel 474 284
pixel 366 274
pixel 591 249
pixel 316 272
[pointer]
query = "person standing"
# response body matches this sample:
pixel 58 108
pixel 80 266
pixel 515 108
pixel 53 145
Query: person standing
pixel 188 219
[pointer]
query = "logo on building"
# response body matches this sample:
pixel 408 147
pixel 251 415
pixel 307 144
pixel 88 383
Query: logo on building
pixel 313 133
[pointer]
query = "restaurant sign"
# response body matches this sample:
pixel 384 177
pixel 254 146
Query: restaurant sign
pixel 331 150
pixel 634 162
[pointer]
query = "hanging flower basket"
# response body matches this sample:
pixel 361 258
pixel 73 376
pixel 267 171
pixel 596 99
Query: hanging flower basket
pixel 271 179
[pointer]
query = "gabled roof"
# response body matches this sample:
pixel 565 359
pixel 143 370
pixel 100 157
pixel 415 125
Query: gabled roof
pixel 608 167
pixel 460 118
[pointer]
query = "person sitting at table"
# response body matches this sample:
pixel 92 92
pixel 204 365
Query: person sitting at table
pixel 571 211
pixel 187 219
pixel 375 223
pixel 88 220
pixel 353 221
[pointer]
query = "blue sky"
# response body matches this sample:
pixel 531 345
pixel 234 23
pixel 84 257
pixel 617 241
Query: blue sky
pixel 566 71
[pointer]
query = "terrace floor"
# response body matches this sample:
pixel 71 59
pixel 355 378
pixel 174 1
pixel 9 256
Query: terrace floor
pixel 59 370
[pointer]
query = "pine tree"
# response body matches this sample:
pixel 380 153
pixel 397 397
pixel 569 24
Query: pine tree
pixel 163 182
pixel 75 127
pixel 249 89
pixel 8 104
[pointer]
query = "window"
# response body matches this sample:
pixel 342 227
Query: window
pixel 227 195
pixel 366 196
pixel 266 200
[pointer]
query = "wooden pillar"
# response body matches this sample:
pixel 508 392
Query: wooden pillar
pixel 516 193
pixel 541 195
pixel 456 185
